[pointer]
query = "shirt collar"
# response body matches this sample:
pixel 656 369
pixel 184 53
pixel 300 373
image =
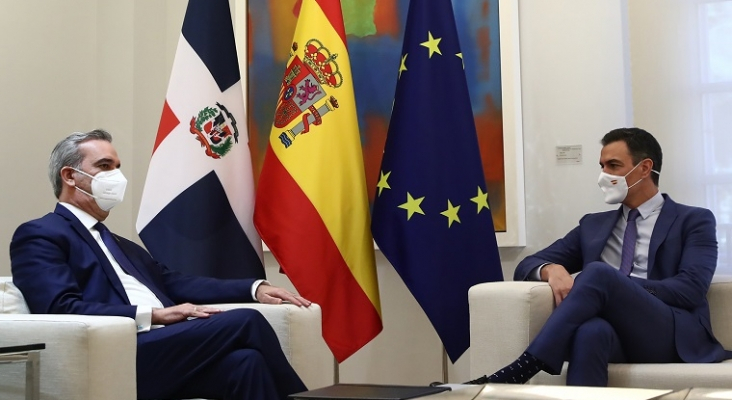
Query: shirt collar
pixel 85 218
pixel 649 207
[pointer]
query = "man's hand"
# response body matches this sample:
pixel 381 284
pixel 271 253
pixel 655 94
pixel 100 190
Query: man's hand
pixel 559 280
pixel 171 315
pixel 268 294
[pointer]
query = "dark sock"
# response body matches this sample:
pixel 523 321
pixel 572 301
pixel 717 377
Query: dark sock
pixel 519 371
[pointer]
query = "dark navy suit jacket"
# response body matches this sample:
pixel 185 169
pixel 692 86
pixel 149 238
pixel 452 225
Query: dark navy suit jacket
pixel 682 258
pixel 60 269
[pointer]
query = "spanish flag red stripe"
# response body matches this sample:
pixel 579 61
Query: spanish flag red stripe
pixel 314 264
pixel 332 11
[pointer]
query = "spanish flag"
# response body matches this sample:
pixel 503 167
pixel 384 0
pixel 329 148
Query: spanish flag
pixel 311 205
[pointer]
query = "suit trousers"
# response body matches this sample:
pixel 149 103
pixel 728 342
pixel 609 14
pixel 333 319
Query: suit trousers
pixel 234 355
pixel 606 317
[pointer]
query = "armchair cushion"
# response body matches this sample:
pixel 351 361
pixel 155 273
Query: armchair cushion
pixel 11 300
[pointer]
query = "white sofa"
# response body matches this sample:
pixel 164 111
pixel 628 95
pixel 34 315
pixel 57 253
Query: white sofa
pixel 506 316
pixel 93 357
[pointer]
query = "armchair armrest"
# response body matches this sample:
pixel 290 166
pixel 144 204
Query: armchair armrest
pixel 86 357
pixel 93 357
pixel 720 298
pixel 504 318
pixel 299 330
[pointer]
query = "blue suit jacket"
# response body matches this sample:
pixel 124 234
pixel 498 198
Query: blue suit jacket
pixel 682 258
pixel 60 269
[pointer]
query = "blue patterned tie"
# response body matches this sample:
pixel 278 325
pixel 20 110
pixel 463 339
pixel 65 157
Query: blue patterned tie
pixel 629 238
pixel 111 242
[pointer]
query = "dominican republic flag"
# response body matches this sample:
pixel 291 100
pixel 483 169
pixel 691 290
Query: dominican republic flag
pixel 312 207
pixel 431 214
pixel 198 200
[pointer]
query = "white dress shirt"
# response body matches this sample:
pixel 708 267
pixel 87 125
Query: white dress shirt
pixel 138 294
pixel 646 221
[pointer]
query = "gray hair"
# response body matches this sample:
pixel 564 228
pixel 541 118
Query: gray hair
pixel 67 154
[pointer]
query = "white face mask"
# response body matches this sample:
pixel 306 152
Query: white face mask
pixel 616 187
pixel 108 188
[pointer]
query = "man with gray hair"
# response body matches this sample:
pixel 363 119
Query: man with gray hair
pixel 68 262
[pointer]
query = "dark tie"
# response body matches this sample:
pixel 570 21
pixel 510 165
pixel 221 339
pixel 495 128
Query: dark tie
pixel 127 266
pixel 629 238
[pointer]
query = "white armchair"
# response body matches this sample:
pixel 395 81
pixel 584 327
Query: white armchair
pixel 506 316
pixel 93 357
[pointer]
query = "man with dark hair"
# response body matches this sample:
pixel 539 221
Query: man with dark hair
pixel 645 271
pixel 641 145
pixel 68 262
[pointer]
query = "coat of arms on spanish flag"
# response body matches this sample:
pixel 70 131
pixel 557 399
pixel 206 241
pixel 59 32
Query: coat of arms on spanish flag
pixel 311 205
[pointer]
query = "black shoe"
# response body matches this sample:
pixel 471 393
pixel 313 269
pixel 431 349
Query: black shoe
pixel 433 384
pixel 479 381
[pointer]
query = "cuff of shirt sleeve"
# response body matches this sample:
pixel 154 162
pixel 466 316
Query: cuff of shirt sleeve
pixel 255 286
pixel 535 274
pixel 143 318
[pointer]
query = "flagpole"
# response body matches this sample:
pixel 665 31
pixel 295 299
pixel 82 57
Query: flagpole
pixel 336 372
pixel 444 365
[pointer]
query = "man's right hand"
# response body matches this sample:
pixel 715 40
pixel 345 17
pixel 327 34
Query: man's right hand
pixel 171 315
pixel 559 280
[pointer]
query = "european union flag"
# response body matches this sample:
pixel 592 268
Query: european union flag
pixel 431 216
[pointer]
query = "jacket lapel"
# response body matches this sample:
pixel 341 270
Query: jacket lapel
pixel 660 231
pixel 145 277
pixel 84 233
pixel 603 232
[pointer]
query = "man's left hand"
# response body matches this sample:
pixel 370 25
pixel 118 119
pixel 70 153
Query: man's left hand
pixel 268 294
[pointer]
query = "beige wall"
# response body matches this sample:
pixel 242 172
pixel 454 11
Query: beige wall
pixel 74 65
pixel 69 65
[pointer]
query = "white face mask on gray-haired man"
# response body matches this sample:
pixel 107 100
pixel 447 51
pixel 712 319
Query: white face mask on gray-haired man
pixel 107 187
